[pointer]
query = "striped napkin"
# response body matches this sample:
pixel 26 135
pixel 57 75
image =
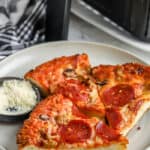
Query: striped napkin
pixel 22 24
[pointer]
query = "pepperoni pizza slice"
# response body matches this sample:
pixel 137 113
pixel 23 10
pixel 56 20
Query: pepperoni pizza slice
pixel 57 124
pixel 70 76
pixel 50 74
pixel 86 108
pixel 84 94
pixel 125 93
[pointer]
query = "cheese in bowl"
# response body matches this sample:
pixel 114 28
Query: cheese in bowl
pixel 17 96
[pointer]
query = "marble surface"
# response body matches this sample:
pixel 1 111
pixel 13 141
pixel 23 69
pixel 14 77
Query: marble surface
pixel 80 30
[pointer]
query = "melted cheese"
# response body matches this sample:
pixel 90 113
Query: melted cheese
pixel 65 115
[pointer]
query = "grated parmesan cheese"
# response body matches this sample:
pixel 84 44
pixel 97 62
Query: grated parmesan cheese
pixel 16 96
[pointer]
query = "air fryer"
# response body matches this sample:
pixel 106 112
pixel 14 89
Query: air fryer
pixel 132 15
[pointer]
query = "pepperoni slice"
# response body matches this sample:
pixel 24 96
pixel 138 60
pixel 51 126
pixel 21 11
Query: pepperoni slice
pixel 114 117
pixel 106 133
pixel 77 112
pixel 75 90
pixel 75 131
pixel 118 95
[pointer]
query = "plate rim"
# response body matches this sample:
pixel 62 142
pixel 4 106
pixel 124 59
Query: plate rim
pixel 56 43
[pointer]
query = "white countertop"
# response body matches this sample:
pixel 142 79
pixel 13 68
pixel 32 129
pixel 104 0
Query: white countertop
pixel 80 30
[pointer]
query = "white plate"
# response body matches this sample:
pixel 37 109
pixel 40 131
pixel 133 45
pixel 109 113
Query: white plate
pixel 21 62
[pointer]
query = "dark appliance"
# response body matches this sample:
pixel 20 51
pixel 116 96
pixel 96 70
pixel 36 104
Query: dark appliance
pixel 57 19
pixel 132 15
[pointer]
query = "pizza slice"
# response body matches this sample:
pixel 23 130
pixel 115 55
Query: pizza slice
pixel 87 108
pixel 84 94
pixel 69 76
pixel 49 75
pixel 125 92
pixel 57 124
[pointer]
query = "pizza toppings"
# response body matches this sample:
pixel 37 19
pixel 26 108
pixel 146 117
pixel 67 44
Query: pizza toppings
pixel 69 73
pixel 103 72
pixel 44 117
pixel 77 112
pixel 106 133
pixel 75 131
pixel 136 69
pixel 118 95
pixel 102 83
pixel 75 90
pixel 87 108
pixel 134 107
pixel 50 74
pixel 84 95
pixel 114 117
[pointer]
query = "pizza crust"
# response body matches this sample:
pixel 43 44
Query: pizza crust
pixel 117 146
pixel 136 117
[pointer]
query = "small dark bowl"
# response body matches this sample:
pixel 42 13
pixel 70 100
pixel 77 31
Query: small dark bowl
pixel 20 116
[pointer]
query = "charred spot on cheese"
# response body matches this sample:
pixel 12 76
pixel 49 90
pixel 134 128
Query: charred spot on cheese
pixel 134 68
pixel 69 73
pixel 140 70
pixel 102 83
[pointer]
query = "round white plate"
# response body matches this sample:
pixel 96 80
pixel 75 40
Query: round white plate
pixel 23 61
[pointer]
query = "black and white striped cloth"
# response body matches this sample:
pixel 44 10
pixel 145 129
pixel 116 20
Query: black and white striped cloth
pixel 22 24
